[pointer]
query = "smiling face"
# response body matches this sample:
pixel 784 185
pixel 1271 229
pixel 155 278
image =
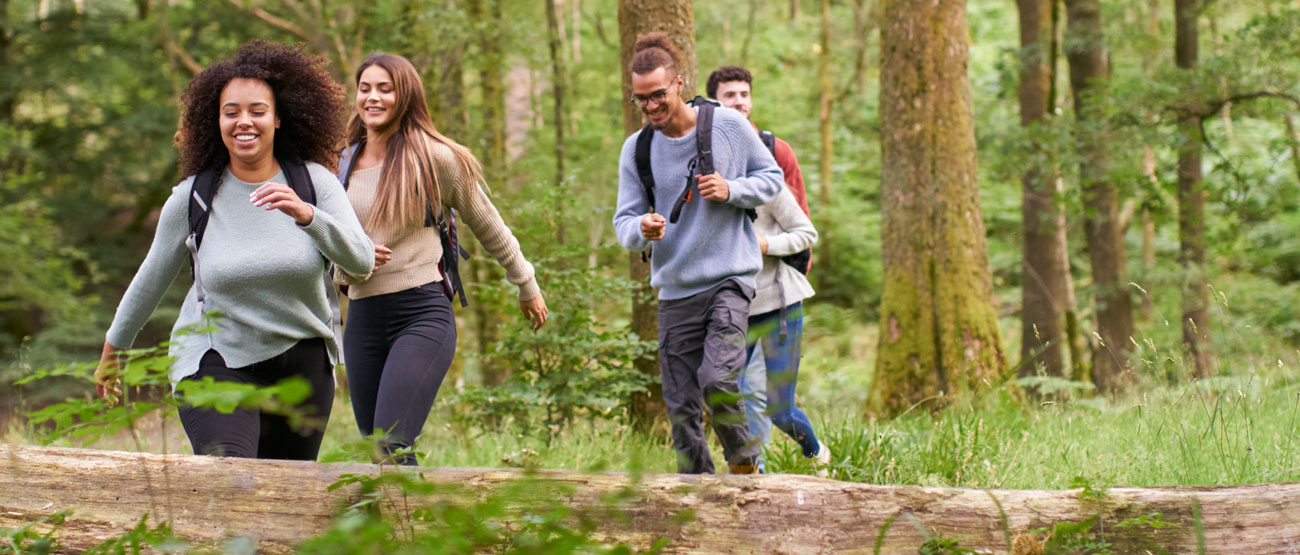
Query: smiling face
pixel 376 97
pixel 735 95
pixel 658 94
pixel 248 121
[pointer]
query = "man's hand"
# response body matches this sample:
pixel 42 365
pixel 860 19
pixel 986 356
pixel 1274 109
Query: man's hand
pixel 652 227
pixel 762 244
pixel 714 187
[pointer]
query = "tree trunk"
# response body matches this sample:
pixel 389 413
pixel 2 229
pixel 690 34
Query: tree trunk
pixel 1086 52
pixel 1043 283
pixel 636 17
pixel 486 14
pixel 794 10
pixel 826 250
pixel 824 122
pixel 558 78
pixel 280 504
pixel 1191 206
pixel 1293 140
pixel 939 331
pixel 8 87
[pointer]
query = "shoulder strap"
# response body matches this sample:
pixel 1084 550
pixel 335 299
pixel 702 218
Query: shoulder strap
pixel 769 141
pixel 643 163
pixel 203 190
pixel 347 159
pixel 299 180
pixel 704 135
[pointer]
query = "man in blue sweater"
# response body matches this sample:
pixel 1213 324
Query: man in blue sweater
pixel 705 263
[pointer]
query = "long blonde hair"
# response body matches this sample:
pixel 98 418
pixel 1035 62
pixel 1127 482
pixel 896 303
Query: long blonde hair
pixel 410 175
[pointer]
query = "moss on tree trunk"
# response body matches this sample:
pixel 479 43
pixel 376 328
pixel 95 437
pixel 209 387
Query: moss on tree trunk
pixel 939 332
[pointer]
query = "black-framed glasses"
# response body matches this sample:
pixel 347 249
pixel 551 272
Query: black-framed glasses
pixel 658 97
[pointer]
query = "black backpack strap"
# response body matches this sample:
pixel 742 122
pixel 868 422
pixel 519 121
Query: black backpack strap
pixel 704 135
pixel 769 141
pixel 203 190
pixel 299 180
pixel 452 252
pixel 704 142
pixel 642 157
pixel 643 164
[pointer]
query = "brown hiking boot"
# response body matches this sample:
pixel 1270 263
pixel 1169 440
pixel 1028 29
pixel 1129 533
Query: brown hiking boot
pixel 744 469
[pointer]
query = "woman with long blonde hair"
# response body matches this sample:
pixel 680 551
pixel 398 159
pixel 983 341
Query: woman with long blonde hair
pixel 401 177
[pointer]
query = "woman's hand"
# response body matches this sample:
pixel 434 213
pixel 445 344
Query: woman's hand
pixel 762 244
pixel 278 196
pixel 106 382
pixel 382 255
pixel 535 310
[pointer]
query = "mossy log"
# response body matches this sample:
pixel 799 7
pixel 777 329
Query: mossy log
pixel 279 504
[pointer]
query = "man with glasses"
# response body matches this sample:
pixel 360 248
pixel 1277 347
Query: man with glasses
pixel 703 262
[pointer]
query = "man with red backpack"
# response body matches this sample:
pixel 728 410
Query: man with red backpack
pixel 785 235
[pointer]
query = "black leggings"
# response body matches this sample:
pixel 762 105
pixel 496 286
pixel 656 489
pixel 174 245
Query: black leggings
pixel 398 349
pixel 249 433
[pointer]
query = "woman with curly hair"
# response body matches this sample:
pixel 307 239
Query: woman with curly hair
pixel 401 176
pixel 251 121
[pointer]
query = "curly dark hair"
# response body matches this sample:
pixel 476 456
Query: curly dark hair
pixel 653 51
pixel 307 100
pixel 727 74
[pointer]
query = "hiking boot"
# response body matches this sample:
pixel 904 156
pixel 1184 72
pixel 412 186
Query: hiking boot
pixel 822 460
pixel 744 469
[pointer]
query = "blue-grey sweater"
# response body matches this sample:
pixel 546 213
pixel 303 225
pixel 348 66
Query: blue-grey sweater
pixel 712 241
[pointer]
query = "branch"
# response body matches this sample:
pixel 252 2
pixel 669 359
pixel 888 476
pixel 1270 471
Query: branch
pixel 1213 107
pixel 272 19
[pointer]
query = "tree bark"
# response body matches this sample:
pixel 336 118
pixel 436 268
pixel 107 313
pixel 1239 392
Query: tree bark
pixel 280 504
pixel 487 17
pixel 1191 205
pixel 558 78
pixel 1086 51
pixel 1043 283
pixel 826 251
pixel 8 87
pixel 636 17
pixel 939 331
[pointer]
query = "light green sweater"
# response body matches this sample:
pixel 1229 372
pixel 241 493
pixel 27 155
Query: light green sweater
pixel 261 271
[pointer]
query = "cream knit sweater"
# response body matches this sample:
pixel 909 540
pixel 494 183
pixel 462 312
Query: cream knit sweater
pixel 416 250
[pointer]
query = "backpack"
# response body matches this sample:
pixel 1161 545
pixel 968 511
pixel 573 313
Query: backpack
pixel 449 264
pixel 204 189
pixel 801 260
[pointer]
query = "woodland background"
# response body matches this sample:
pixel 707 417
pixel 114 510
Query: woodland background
pixel 1078 118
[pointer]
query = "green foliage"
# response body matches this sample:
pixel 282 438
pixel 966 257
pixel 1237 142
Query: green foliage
pixel 938 545
pixel 576 366
pixel 143 537
pixel 36 537
pixel 401 512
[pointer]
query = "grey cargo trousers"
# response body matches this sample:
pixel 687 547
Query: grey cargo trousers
pixel 701 353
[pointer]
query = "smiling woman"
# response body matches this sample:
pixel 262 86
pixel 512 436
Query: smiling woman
pixel 257 130
pixel 402 175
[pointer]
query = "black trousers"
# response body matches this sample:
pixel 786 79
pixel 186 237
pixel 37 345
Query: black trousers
pixel 701 352
pixel 399 347
pixel 250 433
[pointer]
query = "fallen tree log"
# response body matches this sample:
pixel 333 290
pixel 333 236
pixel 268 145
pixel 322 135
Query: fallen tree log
pixel 279 504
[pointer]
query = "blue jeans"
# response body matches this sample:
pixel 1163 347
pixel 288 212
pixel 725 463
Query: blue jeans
pixel 782 359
